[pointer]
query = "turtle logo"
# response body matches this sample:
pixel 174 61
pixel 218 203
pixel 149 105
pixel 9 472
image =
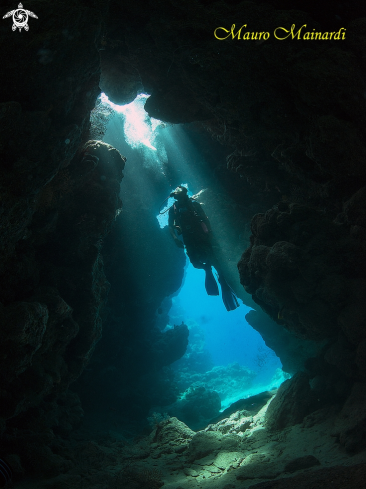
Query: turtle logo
pixel 20 18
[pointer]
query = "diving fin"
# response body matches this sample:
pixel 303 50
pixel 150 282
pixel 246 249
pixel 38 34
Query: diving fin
pixel 228 296
pixel 210 282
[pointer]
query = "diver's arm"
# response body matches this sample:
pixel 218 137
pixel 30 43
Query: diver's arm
pixel 201 213
pixel 177 241
pixel 172 232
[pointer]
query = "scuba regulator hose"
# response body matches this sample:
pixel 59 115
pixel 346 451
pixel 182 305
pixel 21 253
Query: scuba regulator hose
pixel 161 205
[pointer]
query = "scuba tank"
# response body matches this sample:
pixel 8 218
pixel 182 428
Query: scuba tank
pixel 188 219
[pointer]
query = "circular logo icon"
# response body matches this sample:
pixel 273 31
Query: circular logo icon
pixel 20 18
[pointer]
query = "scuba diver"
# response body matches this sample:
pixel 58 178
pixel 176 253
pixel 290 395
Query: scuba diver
pixel 188 219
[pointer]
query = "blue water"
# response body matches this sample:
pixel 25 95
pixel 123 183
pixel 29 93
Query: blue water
pixel 228 337
pixel 226 333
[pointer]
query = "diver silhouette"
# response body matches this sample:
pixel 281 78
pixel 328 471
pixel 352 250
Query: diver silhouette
pixel 188 219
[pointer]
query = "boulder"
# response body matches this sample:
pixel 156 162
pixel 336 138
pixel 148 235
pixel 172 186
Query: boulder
pixel 293 401
pixel 301 463
pixel 334 477
pixel 351 425
pixel 172 431
pixel 204 443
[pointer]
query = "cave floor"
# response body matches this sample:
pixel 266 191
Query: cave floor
pixel 237 452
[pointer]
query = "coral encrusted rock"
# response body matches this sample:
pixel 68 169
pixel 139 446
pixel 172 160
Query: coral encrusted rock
pixel 293 401
pixel 171 345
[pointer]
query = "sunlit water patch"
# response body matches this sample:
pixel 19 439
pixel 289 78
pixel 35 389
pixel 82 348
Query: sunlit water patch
pixel 139 128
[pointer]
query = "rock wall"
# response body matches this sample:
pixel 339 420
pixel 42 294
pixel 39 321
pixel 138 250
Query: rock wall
pixel 51 313
pixel 308 273
pixel 59 198
pixel 291 350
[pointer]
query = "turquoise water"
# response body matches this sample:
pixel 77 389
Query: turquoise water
pixel 228 338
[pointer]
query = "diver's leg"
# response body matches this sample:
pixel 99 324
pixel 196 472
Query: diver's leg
pixel 210 282
pixel 228 296
pixel 198 261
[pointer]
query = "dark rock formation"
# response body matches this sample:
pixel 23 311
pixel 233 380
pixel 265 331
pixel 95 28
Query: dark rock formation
pixel 118 78
pixel 51 331
pixel 291 112
pixel 252 405
pixel 172 431
pixel 292 351
pixel 301 463
pixel 293 401
pixel 171 345
pixel 210 442
pixel 196 406
pixel 307 272
pixel 177 105
pixel 51 277
pixel 294 271
pixel 335 477
pixel 143 267
pixel 44 119
pixel 351 427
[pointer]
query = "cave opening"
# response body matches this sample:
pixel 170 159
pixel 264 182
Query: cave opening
pixel 225 355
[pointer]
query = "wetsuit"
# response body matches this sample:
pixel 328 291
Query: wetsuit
pixel 189 219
